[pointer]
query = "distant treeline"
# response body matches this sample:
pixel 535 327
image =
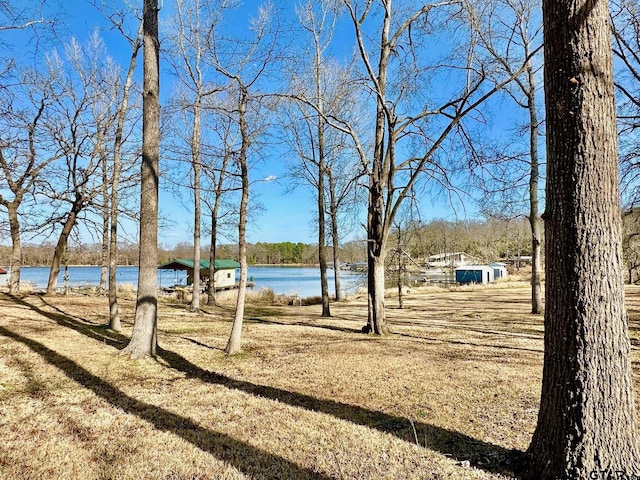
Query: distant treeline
pixel 282 253
pixel 486 240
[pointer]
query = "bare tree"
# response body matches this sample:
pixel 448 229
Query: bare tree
pixel 508 31
pixel 87 83
pixel 326 163
pixel 144 338
pixel 116 182
pixel 218 179
pixel 587 419
pixel 114 315
pixel 319 24
pixel 26 150
pixel 194 27
pixel 13 17
pixel 410 129
pixel 243 62
pixel 233 345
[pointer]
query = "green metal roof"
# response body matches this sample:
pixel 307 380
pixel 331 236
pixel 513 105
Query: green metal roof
pixel 225 264
pixel 188 264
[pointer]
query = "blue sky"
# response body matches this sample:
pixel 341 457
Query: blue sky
pixel 286 215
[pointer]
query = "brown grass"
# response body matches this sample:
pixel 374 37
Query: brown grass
pixel 450 395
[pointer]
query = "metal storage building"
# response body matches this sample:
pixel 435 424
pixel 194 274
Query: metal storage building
pixel 474 274
pixel 499 270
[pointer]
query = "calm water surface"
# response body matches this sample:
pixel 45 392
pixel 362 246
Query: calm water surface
pixel 303 281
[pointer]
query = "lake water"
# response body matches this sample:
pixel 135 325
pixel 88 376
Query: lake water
pixel 303 281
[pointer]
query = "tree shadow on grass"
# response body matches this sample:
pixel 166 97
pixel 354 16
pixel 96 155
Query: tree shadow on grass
pixel 309 324
pixel 250 460
pixel 470 343
pixel 461 447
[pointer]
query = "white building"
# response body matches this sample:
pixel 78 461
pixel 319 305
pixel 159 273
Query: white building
pixel 499 270
pixel 454 259
pixel 474 274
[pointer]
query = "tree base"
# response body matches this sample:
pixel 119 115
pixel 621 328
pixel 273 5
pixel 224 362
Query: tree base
pixel 136 354
pixel 384 330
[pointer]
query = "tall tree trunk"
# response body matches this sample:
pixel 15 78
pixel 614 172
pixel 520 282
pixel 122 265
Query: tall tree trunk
pixel 378 182
pixel 16 248
pixel 534 220
pixel 322 223
pixel 197 214
pixel 322 234
pixel 104 258
pixel 233 345
pixel 104 250
pixel 335 238
pixel 587 420
pixel 144 336
pixel 61 247
pixel 114 314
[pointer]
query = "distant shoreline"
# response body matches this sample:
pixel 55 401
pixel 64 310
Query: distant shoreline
pixel 282 279
pixel 284 265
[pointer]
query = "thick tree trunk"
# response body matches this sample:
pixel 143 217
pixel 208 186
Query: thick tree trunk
pixel 144 336
pixel 377 322
pixel 376 254
pixel 587 421
pixel 16 249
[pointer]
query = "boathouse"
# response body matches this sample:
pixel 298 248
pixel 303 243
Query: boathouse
pixel 224 271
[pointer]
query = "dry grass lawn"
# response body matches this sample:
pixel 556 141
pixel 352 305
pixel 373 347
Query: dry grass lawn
pixel 451 394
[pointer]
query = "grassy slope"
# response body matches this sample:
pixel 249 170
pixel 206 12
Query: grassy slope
pixel 449 395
